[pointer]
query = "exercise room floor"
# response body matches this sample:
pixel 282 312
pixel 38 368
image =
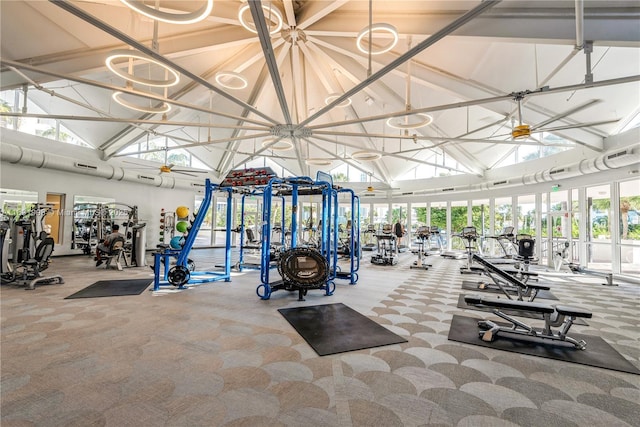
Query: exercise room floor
pixel 217 355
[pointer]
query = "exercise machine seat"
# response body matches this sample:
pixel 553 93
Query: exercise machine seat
pixel 573 311
pixel 515 305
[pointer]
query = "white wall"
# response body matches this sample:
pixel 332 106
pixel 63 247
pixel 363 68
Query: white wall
pixel 148 199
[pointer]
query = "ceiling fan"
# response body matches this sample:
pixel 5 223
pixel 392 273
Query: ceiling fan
pixel 372 190
pixel 523 130
pixel 167 168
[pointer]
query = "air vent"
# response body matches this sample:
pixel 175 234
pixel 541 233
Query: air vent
pixel 553 172
pixel 408 193
pixel 500 182
pixel 448 189
pixel 86 166
pixel 618 154
pixel 194 184
pixel 147 178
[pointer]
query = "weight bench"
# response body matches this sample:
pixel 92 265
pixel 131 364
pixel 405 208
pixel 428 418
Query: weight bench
pixel 506 282
pixel 554 316
pixel 115 254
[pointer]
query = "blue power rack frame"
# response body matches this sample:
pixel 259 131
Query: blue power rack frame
pixel 180 270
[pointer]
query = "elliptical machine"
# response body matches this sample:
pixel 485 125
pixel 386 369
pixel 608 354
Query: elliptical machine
pixel 422 236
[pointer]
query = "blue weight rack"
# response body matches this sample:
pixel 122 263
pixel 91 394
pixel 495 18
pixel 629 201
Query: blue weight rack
pixel 179 276
pixel 354 240
pixel 328 232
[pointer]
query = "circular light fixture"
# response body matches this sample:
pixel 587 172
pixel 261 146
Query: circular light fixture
pixel 380 28
pixel 117 96
pixel 318 162
pixel 394 122
pixel 521 132
pixel 282 145
pixel 226 79
pixel 366 155
pixel 168 17
pixel 333 96
pixel 272 14
pixel 132 54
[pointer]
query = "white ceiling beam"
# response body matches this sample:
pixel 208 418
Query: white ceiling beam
pixel 334 86
pixel 314 11
pixel 150 52
pixel 434 38
pixel 265 41
pixel 608 25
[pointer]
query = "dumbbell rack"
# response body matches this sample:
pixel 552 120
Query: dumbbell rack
pixel 167 226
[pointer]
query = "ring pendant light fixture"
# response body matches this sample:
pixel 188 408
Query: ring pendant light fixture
pixel 118 97
pixel 317 162
pixel 405 123
pixel 333 96
pixel 380 28
pixel 173 76
pixel 272 14
pixel 366 156
pixel 282 145
pixel 170 17
pixel 231 80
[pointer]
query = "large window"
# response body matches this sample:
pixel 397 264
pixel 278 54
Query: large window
pixel 12 100
pixel 480 218
pixel 439 215
pixel 599 251
pixel 629 213
pixel 418 216
pixel 503 214
pixel 380 214
pixel 527 214
pixel 458 222
pixel 205 233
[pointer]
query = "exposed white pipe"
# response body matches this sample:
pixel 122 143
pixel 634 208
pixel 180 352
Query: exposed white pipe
pixel 613 159
pixel 38 159
pixel 579 24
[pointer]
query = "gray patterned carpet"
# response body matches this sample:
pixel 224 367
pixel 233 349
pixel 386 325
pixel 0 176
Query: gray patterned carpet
pixel 217 355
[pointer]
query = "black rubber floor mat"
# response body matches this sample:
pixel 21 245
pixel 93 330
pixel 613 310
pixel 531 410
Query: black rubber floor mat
pixel 473 286
pixel 336 328
pixel 113 288
pixel 518 313
pixel 598 352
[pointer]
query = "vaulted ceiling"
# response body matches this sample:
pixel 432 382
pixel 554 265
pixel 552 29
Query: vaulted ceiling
pixel 478 69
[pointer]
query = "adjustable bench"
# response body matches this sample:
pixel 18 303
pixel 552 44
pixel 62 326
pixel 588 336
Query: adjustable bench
pixel 554 316
pixel 509 284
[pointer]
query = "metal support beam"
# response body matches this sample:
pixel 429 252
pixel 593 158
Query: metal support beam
pixel 265 41
pixel 407 56
pixel 63 4
pixel 588 50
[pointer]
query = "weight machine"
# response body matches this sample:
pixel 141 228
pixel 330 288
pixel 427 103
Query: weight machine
pixel 182 274
pixel 32 257
pixel 92 222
